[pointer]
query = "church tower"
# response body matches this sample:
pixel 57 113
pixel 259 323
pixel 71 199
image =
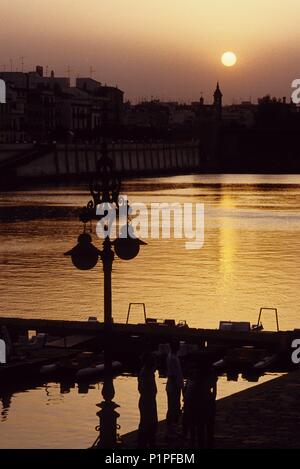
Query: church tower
pixel 218 102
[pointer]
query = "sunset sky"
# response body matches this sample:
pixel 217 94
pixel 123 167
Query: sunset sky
pixel 169 49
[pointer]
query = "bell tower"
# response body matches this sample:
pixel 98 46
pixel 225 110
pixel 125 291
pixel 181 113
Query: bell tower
pixel 218 96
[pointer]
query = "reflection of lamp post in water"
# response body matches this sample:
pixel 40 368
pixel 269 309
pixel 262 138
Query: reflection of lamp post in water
pixel 105 190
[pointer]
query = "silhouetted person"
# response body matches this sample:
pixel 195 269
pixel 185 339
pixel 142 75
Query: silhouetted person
pixel 174 385
pixel 6 403
pixel 200 407
pixel 147 403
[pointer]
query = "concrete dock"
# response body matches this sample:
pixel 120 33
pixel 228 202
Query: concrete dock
pixel 265 416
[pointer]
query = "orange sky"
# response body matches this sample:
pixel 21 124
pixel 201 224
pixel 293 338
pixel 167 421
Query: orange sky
pixel 161 48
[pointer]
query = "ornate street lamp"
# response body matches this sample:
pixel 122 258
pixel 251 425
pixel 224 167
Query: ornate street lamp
pixel 105 189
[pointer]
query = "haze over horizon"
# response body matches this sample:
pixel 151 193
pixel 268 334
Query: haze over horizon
pixel 170 50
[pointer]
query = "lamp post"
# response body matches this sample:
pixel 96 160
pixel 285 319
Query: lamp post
pixel 105 189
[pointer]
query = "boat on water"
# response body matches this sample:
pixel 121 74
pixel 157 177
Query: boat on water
pixel 234 346
pixel 76 371
pixel 245 358
pixel 46 357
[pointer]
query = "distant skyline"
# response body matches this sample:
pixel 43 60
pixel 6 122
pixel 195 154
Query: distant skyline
pixel 169 50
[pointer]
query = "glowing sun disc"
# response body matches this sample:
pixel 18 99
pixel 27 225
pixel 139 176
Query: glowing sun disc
pixel 229 59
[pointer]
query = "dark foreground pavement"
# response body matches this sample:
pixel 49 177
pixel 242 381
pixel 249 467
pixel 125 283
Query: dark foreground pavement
pixel 265 416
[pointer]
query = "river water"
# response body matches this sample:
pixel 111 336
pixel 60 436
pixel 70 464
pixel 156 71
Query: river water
pixel 250 259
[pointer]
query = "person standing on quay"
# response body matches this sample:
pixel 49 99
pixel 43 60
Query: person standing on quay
pixel 147 403
pixel 200 405
pixel 174 385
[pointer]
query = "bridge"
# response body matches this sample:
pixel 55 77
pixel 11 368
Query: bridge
pixel 59 162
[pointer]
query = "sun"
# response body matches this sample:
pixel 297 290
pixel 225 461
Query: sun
pixel 229 59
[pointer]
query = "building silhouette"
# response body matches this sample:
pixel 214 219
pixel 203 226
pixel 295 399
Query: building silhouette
pixel 41 108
